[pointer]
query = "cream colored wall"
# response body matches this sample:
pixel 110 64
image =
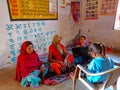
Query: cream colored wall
pixel 63 26
pixel 67 28
pixel 100 29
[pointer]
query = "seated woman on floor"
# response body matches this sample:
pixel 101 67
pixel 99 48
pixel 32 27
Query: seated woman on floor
pixel 29 69
pixel 84 57
pixel 58 56
pixel 82 41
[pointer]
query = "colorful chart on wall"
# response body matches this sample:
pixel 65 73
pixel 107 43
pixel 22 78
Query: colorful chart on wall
pixel 117 19
pixel 33 9
pixel 108 7
pixel 91 9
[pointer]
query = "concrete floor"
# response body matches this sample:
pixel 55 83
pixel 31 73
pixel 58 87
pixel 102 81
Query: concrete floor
pixel 7 82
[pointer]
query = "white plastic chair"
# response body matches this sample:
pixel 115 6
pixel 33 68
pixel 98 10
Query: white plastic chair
pixel 111 80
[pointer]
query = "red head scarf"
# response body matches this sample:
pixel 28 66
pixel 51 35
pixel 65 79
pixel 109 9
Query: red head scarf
pixel 26 63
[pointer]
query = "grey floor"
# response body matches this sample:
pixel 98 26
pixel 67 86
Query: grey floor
pixel 7 82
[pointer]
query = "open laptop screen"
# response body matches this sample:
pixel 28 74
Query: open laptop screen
pixel 81 51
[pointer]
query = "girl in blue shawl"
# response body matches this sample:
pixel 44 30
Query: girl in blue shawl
pixel 99 62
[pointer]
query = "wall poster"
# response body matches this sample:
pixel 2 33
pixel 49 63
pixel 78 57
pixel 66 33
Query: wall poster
pixel 91 9
pixel 108 7
pixel 62 3
pixel 75 11
pixel 52 6
pixel 32 9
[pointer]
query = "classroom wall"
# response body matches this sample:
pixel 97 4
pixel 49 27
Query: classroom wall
pixel 67 27
pixel 40 32
pixel 14 33
pixel 101 29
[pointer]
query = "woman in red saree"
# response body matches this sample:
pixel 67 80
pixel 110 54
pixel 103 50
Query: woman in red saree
pixel 58 55
pixel 28 66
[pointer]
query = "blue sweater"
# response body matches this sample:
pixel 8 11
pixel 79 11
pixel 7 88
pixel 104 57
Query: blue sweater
pixel 98 65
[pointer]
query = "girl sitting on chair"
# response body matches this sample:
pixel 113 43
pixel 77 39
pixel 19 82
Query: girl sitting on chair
pixel 99 62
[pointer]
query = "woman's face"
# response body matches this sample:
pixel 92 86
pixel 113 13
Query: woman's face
pixel 58 42
pixel 29 49
pixel 82 41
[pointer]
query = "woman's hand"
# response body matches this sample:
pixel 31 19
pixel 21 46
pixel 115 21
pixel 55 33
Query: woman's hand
pixel 63 64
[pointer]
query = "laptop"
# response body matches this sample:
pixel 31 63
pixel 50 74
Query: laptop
pixel 81 51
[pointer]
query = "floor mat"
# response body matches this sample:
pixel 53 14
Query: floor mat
pixel 56 79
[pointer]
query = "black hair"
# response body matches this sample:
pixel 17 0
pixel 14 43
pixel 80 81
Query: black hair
pixel 98 48
pixel 28 43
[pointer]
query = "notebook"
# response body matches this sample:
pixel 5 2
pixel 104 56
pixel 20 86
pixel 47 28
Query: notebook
pixel 81 51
